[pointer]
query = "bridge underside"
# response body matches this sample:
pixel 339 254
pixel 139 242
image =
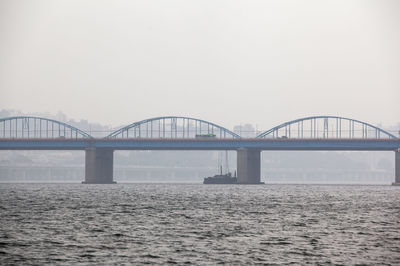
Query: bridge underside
pixel 99 152
pixel 99 166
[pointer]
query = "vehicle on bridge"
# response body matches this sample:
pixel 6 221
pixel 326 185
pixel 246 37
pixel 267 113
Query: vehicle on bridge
pixel 205 136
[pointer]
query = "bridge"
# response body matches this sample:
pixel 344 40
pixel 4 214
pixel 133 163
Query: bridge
pixel 185 133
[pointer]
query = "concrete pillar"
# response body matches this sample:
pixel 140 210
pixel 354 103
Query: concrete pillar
pixel 248 166
pixel 397 168
pixel 99 166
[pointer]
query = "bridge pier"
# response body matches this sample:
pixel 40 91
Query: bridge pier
pixel 397 168
pixel 248 166
pixel 99 166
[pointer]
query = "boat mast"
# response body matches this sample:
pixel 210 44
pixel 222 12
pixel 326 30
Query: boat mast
pixel 226 161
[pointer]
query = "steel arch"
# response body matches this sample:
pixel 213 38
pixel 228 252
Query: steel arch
pixel 38 127
pixel 173 127
pixel 331 127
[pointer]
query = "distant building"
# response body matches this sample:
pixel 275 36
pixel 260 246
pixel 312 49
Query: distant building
pixel 246 131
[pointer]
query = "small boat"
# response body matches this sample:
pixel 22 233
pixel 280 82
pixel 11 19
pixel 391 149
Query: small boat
pixel 221 178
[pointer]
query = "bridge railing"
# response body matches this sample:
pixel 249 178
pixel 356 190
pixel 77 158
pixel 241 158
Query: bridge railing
pixel 173 127
pixel 316 127
pixel 324 127
pixel 30 127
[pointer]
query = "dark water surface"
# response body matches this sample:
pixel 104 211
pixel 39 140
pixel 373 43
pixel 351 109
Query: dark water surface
pixel 198 224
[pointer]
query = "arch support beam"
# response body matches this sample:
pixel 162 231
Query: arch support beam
pixel 249 166
pixel 99 166
pixel 397 168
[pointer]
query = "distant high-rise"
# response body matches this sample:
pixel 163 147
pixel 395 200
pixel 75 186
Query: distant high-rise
pixel 246 131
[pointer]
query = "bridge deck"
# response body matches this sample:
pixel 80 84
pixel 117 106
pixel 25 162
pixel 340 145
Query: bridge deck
pixel 201 144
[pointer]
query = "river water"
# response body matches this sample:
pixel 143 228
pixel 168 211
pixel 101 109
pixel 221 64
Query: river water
pixel 198 224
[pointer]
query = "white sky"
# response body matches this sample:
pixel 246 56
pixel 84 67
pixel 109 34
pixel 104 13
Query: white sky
pixel 228 62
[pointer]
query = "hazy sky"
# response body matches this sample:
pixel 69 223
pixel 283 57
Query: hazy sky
pixel 229 62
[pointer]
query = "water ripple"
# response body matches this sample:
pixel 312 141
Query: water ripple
pixel 67 224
